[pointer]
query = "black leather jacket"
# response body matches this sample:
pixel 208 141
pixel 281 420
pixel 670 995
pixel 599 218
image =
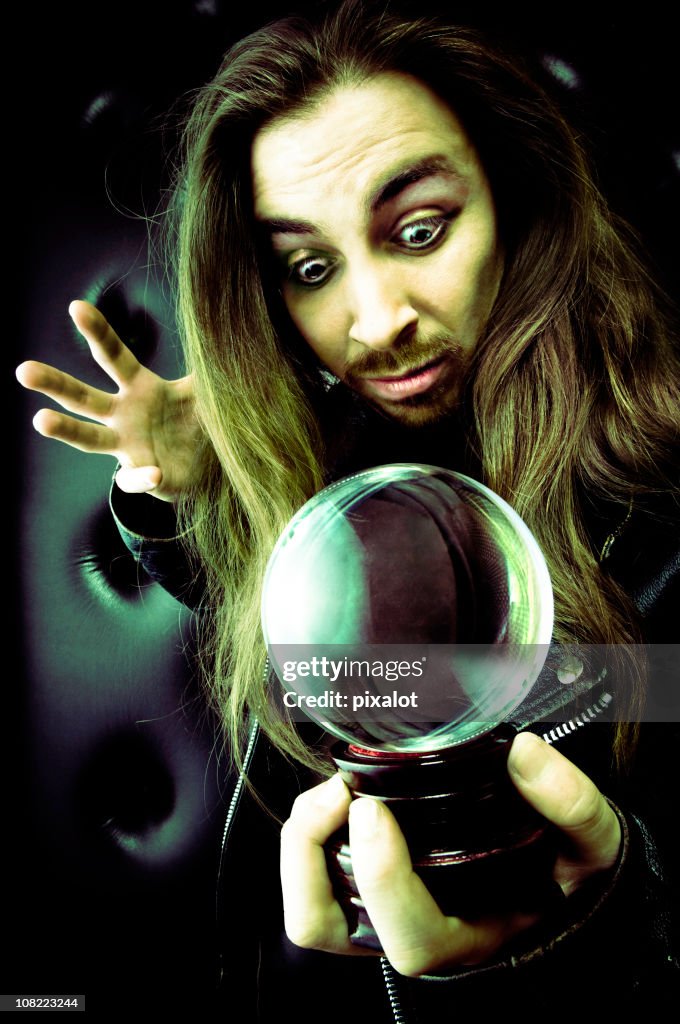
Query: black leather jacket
pixel 612 945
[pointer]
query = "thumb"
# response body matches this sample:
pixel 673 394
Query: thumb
pixel 564 795
pixel 139 479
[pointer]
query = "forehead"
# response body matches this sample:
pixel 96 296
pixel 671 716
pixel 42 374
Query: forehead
pixel 354 137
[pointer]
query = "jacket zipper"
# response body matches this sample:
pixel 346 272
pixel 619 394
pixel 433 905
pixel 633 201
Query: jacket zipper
pixel 583 718
pixel 391 984
pixel 228 825
pixel 238 789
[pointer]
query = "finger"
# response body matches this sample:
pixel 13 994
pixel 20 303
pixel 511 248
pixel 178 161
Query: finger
pixel 108 351
pixel 68 391
pixel 313 917
pixel 564 795
pixel 416 936
pixel 87 437
pixel 138 480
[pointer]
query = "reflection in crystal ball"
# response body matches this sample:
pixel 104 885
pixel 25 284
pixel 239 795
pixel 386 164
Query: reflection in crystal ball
pixel 406 608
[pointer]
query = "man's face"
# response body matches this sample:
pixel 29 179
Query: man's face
pixel 382 220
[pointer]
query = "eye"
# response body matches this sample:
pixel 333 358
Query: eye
pixel 310 271
pixel 424 233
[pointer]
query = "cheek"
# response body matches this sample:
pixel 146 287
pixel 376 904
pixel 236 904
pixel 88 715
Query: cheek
pixel 320 326
pixel 460 289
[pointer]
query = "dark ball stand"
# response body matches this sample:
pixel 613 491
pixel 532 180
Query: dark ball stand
pixel 478 846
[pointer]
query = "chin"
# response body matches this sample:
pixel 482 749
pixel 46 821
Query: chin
pixel 421 410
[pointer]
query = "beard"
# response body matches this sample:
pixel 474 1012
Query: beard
pixel 427 408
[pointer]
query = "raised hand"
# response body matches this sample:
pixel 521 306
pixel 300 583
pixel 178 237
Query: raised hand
pixel 416 936
pixel 149 425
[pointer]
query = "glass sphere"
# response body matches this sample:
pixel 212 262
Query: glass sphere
pixel 406 608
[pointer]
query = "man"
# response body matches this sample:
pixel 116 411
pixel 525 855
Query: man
pixel 390 247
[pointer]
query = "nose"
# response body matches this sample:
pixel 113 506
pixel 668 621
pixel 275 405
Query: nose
pixel 380 309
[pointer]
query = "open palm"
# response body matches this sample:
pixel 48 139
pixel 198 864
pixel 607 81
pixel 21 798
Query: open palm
pixel 149 425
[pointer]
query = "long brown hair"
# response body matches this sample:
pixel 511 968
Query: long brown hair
pixel 572 390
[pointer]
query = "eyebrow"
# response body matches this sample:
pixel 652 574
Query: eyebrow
pixel 428 167
pixel 398 182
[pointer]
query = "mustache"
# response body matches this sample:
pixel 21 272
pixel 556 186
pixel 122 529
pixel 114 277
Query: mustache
pixel 396 361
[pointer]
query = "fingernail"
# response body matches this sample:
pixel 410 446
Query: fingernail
pixel 364 818
pixel 528 756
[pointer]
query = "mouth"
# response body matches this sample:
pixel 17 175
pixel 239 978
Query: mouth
pixel 411 382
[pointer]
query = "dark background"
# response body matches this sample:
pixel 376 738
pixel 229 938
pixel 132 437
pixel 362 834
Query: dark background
pixel 108 868
pixel 98 81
